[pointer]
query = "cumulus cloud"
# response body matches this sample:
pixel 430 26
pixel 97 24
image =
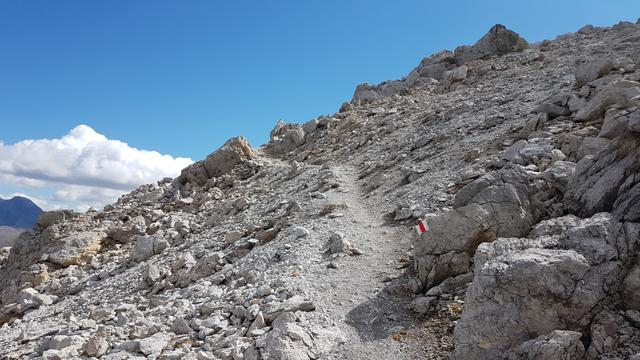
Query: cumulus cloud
pixel 83 168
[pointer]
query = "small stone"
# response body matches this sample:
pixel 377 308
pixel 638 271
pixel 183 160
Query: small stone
pixel 96 346
pixel 423 304
pixel 337 243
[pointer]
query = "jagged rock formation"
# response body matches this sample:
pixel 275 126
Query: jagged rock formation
pixel 521 158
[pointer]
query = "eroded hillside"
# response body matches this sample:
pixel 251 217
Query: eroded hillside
pixel 523 160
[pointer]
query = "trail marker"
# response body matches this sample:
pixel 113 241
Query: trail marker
pixel 422 227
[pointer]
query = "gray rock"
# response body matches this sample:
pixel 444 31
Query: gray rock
pixel 517 283
pixel 494 205
pixel 593 70
pixel 234 152
pixel 560 345
pixel 285 138
pixel 607 181
pixel 147 246
pixel 621 93
pixel 498 41
pixel 152 345
pixel 76 249
pixel 423 304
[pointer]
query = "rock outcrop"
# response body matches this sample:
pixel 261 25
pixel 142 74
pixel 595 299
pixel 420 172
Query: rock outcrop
pixel 498 41
pixel 495 205
pixel 444 66
pixel 234 152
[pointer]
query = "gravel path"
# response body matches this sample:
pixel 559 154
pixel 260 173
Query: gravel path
pixel 366 295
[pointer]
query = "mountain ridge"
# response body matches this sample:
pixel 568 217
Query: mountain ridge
pixel 18 212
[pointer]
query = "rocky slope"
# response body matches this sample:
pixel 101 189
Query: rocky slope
pixel 522 159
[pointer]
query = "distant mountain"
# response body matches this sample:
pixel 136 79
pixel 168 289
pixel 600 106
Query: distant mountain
pixel 18 212
pixel 8 235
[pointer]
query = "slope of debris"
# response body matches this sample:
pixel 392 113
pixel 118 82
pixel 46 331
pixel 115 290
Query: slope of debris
pixel 523 161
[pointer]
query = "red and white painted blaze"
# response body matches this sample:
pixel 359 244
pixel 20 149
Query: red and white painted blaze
pixel 422 227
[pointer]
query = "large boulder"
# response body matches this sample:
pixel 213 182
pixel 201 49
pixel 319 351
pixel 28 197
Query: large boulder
pixel 285 137
pixel 557 345
pixel 431 67
pixel 498 41
pixel 76 249
pixel 620 93
pixel 557 279
pixel 495 205
pixel 592 71
pixel 610 179
pixel 366 93
pixel 234 152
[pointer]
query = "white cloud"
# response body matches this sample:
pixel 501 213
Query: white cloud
pixel 83 168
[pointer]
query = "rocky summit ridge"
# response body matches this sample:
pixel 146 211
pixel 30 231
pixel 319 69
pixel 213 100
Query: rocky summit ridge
pixel 522 159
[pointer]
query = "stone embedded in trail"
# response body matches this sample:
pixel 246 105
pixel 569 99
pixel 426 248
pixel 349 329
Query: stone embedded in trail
pixel 337 243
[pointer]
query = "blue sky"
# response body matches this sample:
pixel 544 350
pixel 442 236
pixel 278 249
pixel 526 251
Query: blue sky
pixel 181 77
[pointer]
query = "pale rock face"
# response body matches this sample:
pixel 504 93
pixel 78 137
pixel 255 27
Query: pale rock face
pixel 76 249
pixel 234 152
pixel 517 283
pixel 285 138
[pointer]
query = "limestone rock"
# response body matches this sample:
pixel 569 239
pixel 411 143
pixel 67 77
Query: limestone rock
pixel 494 205
pixel 560 345
pixel 285 137
pixel 498 41
pixel 224 159
pixel 517 283
pixel 76 249
pixel 147 246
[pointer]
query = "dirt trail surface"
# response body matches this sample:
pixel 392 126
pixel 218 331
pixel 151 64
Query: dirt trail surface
pixel 366 294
